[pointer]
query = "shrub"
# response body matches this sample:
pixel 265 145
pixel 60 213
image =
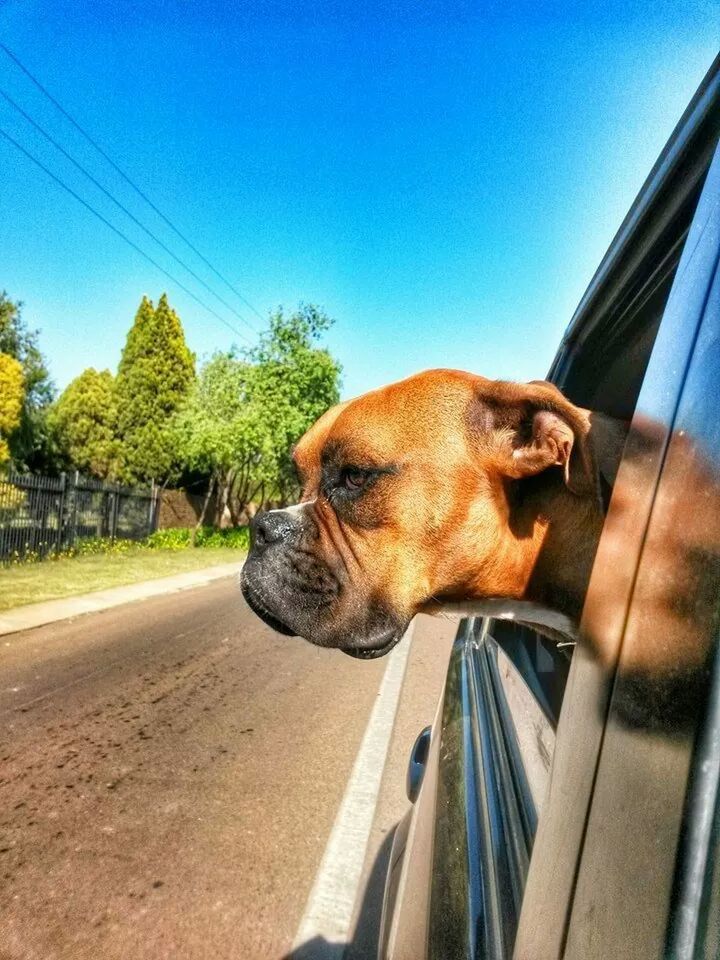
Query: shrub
pixel 172 539
pixel 179 538
pixel 236 537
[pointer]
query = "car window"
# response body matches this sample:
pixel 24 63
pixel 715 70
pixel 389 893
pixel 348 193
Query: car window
pixel 660 677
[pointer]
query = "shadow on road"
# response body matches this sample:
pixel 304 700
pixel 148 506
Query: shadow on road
pixel 364 944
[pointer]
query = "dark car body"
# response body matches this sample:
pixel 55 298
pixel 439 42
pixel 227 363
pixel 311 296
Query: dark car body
pixel 569 797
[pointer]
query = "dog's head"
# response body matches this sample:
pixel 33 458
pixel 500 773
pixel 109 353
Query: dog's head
pixel 410 497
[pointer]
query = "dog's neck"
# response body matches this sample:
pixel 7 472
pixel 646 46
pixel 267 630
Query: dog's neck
pixel 550 545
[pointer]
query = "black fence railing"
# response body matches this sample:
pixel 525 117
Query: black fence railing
pixel 40 516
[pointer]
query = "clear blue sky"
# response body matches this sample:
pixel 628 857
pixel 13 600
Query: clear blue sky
pixel 442 177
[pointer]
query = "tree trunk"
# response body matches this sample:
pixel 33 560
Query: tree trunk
pixel 233 502
pixel 257 505
pixel 206 502
pixel 224 498
pixel 242 491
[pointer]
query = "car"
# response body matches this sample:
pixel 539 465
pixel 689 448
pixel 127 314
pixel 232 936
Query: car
pixel 566 798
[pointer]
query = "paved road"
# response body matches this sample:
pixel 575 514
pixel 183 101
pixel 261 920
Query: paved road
pixel 169 774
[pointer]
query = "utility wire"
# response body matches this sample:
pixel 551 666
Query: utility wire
pixel 120 234
pixel 121 206
pixel 127 179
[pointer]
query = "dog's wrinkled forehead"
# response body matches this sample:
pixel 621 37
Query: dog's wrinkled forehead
pixel 408 415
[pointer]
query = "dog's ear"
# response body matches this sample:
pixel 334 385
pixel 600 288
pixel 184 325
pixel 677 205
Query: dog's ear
pixel 536 428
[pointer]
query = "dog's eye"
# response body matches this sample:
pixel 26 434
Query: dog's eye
pixel 353 479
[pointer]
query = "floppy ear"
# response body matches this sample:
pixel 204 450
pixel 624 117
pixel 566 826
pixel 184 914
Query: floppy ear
pixel 540 429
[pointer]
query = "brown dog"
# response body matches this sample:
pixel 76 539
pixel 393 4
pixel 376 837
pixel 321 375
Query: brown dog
pixel 445 490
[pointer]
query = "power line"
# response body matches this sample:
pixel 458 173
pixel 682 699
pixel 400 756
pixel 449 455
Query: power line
pixel 122 236
pixel 127 179
pixel 121 206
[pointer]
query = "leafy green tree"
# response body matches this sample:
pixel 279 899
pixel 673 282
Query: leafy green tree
pixel 296 381
pixel 155 373
pixel 220 431
pixel 244 413
pixel 12 395
pixel 29 447
pixel 84 424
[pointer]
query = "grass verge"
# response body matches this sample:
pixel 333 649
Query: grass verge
pixel 72 576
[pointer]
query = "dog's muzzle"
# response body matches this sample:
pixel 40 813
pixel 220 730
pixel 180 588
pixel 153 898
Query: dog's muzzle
pixel 294 591
pixel 273 528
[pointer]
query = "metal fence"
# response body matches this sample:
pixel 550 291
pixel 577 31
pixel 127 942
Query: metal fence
pixel 40 516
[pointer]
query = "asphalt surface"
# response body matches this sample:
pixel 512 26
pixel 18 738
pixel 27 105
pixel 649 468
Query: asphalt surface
pixel 169 774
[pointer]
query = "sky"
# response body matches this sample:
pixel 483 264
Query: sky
pixel 442 178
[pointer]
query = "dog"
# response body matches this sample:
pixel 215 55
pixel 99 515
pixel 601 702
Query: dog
pixel 442 492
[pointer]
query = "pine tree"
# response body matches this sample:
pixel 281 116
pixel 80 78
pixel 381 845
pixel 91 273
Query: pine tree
pixel 156 370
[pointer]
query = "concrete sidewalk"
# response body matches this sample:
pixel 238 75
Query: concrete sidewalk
pixel 38 614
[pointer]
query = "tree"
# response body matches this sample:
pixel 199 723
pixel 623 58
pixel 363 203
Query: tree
pixel 296 381
pixel 84 424
pixel 155 373
pixel 244 413
pixel 12 396
pixel 221 432
pixel 29 447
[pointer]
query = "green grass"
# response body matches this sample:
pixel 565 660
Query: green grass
pixel 71 576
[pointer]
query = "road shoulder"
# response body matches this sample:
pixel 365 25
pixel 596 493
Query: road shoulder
pixel 50 611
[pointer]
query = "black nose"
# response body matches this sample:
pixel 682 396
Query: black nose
pixel 275 526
